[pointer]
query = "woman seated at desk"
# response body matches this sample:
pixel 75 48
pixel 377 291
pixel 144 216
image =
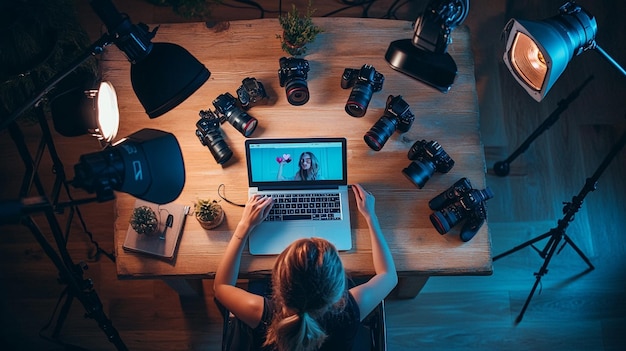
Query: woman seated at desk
pixel 311 307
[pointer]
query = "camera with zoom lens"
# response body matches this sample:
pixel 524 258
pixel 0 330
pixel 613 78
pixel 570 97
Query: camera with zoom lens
pixel 292 75
pixel 457 203
pixel 428 158
pixel 251 93
pixel 397 116
pixel 210 135
pixel 364 82
pixel 227 107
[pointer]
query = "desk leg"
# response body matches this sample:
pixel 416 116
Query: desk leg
pixel 186 287
pixel 408 287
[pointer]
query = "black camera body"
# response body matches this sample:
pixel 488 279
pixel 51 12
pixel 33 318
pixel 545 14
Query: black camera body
pixel 428 158
pixel 397 116
pixel 229 110
pixel 292 75
pixel 251 93
pixel 210 135
pixel 364 82
pixel 457 203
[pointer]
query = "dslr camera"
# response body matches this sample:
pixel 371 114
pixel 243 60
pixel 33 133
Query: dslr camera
pixel 228 109
pixel 457 203
pixel 210 135
pixel 251 93
pixel 292 75
pixel 364 82
pixel 427 158
pixel 397 116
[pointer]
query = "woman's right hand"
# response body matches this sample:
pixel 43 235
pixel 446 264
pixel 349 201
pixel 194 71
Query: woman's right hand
pixel 256 209
pixel 365 201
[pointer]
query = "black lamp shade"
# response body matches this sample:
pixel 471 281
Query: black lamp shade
pixel 166 77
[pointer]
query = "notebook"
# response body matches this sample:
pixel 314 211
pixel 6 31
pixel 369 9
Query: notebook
pixel 164 243
pixel 275 168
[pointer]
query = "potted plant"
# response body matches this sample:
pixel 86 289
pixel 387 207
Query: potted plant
pixel 298 30
pixel 144 220
pixel 209 213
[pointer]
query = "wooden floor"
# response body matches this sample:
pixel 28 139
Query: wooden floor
pixel 572 309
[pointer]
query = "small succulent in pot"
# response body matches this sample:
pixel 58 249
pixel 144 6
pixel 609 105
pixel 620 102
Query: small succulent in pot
pixel 209 213
pixel 144 220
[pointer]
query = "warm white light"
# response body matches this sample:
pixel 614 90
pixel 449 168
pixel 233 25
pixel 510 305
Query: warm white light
pixel 108 112
pixel 528 61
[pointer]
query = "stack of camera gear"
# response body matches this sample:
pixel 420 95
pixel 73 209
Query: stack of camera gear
pixel 364 83
pixel 457 203
pixel 292 75
pixel 428 158
pixel 228 108
pixel 397 116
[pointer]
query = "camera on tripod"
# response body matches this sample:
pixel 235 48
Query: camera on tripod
pixel 397 116
pixel 428 158
pixel 364 82
pixel 228 109
pixel 210 135
pixel 292 75
pixel 459 202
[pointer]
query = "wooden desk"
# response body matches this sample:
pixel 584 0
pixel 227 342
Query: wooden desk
pixel 243 49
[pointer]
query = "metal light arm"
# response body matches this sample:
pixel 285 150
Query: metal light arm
pixel 95 49
pixel 610 59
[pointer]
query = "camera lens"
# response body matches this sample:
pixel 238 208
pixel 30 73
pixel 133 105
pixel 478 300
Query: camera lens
pixel 218 147
pixel 297 91
pixel 447 218
pixel 209 133
pixel 380 132
pixel 419 172
pixel 359 99
pixel 243 122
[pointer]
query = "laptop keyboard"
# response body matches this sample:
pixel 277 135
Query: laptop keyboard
pixel 318 206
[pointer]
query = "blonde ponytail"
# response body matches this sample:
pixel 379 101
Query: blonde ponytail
pixel 298 332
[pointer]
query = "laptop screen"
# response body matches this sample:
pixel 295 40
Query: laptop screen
pixel 296 163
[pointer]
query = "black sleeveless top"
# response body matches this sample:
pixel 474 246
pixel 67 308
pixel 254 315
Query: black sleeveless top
pixel 341 326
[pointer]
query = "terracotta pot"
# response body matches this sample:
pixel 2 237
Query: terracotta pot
pixel 214 223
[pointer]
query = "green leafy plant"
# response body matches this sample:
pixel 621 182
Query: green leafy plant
pixel 208 212
pixel 298 30
pixel 144 220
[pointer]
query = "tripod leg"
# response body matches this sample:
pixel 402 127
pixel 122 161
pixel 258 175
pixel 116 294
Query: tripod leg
pixel 62 314
pixel 523 245
pixel 578 250
pixel 553 244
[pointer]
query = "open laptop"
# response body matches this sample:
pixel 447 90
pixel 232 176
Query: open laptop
pixel 275 168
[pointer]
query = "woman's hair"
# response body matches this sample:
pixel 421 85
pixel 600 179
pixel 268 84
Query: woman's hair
pixel 308 279
pixel 310 174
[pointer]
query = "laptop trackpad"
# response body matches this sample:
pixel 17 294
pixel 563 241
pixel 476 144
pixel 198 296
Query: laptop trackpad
pixel 271 238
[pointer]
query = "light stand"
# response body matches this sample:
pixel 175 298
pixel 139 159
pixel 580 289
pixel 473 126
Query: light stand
pixel 158 93
pixel 70 273
pixel 502 168
pixel 557 234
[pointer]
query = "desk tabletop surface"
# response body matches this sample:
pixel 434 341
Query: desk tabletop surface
pixel 239 49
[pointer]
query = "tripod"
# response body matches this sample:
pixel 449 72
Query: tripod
pixel 70 274
pixel 557 234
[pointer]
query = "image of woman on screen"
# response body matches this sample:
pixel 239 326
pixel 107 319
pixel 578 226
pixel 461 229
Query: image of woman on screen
pixel 308 168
